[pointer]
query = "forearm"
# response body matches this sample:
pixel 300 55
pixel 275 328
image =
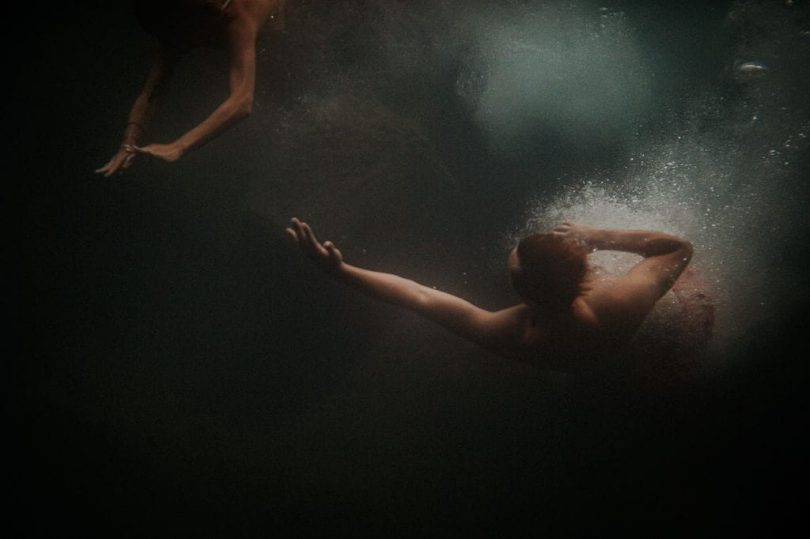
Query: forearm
pixel 383 286
pixel 642 242
pixel 138 119
pixel 453 313
pixel 229 112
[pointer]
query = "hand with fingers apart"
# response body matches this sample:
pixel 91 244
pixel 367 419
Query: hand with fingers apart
pixel 576 232
pixel 325 255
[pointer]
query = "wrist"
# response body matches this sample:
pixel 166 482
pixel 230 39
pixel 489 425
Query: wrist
pixel 178 148
pixel 134 130
pixel 339 270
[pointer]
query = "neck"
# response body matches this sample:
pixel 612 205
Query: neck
pixel 545 312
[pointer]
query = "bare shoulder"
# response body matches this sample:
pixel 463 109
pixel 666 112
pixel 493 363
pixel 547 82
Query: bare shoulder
pixel 619 306
pixel 557 340
pixel 505 323
pixel 505 332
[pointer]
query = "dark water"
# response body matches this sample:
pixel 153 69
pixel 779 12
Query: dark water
pixel 177 369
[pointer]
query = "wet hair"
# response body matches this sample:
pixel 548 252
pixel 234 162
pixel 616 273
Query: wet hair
pixel 552 270
pixel 172 21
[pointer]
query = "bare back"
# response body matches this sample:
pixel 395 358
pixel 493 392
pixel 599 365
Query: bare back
pixel 606 316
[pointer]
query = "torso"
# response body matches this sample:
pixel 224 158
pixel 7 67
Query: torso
pixel 554 339
pixel 682 322
pixel 559 340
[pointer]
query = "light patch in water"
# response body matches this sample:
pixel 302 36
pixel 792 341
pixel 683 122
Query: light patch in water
pixel 571 69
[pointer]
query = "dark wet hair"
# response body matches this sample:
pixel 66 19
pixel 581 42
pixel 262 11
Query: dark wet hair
pixel 552 270
pixel 172 21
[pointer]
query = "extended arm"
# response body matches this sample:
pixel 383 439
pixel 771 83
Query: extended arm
pixel 454 313
pixel 141 112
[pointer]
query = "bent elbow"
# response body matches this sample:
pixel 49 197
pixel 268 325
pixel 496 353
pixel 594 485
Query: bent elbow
pixel 247 108
pixel 688 250
pixel 243 108
pixel 244 111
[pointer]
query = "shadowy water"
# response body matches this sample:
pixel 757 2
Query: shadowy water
pixel 177 369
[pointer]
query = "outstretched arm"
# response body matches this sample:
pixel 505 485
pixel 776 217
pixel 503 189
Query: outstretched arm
pixel 141 112
pixel 454 313
pixel 241 42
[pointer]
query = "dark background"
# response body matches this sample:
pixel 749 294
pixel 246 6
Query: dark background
pixel 175 368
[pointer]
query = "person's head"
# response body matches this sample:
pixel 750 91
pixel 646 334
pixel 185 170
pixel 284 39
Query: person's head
pixel 548 270
pixel 179 23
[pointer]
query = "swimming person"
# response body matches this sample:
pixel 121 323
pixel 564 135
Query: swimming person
pixel 567 315
pixel 181 25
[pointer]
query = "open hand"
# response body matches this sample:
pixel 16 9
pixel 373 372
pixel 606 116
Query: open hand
pixel 119 162
pixel 574 231
pixel 325 254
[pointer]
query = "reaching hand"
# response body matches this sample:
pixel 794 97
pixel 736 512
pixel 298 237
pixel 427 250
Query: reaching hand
pixel 119 162
pixel 325 255
pixel 166 152
pixel 580 233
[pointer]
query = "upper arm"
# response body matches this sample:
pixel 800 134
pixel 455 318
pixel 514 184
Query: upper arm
pixel 242 57
pixel 160 73
pixel 455 314
pixel 640 288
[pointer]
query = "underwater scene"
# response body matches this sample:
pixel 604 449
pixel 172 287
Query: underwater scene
pixel 179 368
